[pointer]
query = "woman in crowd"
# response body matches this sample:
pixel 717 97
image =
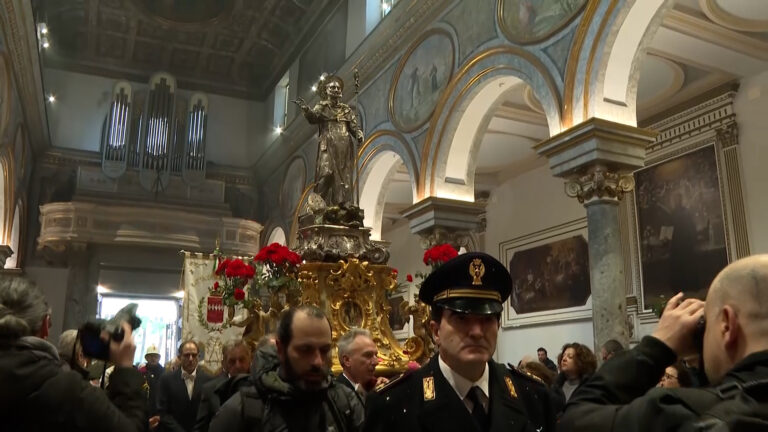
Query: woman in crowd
pixel 577 363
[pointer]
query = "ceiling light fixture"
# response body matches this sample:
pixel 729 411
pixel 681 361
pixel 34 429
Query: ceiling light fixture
pixel 314 88
pixel 46 44
pixel 278 129
pixel 51 98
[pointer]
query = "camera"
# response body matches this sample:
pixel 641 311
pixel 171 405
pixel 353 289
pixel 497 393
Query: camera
pixel 90 333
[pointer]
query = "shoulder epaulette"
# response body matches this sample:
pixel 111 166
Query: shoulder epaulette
pixel 394 382
pixel 526 374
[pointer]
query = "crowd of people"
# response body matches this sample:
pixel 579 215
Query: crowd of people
pixel 665 383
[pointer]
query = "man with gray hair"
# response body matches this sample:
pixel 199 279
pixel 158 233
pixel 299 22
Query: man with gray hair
pixel 358 356
pixel 37 394
pixel 71 352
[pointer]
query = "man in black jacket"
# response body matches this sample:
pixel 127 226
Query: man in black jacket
pixel 462 388
pixel 235 365
pixel 296 393
pixel 178 396
pixel 735 352
pixel 37 394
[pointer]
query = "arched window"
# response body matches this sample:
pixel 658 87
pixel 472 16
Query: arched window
pixel 277 236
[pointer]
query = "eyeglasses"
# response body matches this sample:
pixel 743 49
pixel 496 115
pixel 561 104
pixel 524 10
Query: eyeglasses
pixel 668 377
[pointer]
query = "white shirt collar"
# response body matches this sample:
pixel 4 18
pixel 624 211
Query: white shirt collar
pixel 460 384
pixel 354 384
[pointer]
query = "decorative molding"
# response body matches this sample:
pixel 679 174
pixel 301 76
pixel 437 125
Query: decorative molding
pixel 20 41
pixel 143 225
pixel 599 184
pixel 716 34
pixel 721 16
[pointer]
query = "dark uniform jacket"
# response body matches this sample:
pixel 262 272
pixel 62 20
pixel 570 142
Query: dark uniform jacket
pixel 36 394
pixel 516 403
pixel 177 411
pixel 617 397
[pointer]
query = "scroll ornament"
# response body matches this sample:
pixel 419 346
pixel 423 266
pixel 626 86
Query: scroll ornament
pixel 600 184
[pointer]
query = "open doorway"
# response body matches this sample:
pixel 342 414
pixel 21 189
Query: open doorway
pixel 160 323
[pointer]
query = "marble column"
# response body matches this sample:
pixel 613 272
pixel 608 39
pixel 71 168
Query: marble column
pixel 80 302
pixel 597 159
pixel 441 220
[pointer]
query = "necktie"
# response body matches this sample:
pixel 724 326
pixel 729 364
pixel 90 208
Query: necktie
pixel 189 381
pixel 478 412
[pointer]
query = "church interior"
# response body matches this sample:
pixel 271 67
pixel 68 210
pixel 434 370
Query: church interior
pixel 608 153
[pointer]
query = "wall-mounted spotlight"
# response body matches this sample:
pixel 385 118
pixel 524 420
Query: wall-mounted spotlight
pixel 279 129
pixel 43 35
pixel 51 98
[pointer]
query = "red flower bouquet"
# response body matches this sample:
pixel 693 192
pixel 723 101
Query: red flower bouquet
pixel 236 274
pixel 277 268
pixel 438 255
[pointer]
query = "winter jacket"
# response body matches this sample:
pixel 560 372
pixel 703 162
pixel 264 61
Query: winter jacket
pixel 37 394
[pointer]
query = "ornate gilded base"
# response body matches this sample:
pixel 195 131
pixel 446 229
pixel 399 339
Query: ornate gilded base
pixel 354 294
pixel 333 243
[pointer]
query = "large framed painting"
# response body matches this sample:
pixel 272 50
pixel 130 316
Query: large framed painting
pixel 550 275
pixel 531 21
pixel 293 185
pixel 680 225
pixel 686 217
pixel 420 78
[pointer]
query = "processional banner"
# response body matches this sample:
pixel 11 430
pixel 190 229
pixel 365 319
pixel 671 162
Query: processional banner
pixel 204 316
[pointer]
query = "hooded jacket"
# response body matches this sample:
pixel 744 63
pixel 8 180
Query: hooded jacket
pixel 36 393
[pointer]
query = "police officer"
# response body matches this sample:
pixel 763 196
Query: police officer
pixel 461 388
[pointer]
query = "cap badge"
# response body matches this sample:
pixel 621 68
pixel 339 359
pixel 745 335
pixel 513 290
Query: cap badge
pixel 477 270
pixel 428 383
pixel 510 387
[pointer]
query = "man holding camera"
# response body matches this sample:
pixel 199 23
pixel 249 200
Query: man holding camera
pixel 37 394
pixel 735 353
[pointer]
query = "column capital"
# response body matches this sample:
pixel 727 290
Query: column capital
pixel 599 184
pixel 442 220
pixel 617 147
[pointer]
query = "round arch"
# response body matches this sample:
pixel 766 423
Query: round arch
pixel 277 235
pixel 378 160
pixel 611 80
pixel 465 109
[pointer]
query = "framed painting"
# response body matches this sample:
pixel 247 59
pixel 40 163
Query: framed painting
pixel 686 216
pixel 680 225
pixel 420 78
pixel 531 21
pixel 550 275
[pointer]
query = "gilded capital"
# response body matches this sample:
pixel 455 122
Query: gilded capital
pixel 599 184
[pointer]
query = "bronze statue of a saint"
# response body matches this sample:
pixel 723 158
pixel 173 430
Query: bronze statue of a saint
pixel 336 154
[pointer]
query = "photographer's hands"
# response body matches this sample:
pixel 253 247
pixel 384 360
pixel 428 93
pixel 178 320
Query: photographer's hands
pixel 678 323
pixel 121 353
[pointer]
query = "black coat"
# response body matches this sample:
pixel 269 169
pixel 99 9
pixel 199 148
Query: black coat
pixel 177 411
pixel 36 394
pixel 341 379
pixel 401 405
pixel 216 392
pixel 152 375
pixel 622 395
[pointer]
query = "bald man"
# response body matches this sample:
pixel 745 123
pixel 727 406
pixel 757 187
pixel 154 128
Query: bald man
pixel 622 396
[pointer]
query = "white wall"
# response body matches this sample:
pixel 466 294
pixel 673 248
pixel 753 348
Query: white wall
pixel 522 205
pixel 53 283
pixel 82 102
pixel 751 107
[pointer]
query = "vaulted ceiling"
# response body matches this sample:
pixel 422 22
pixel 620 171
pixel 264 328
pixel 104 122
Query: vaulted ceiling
pixel 238 48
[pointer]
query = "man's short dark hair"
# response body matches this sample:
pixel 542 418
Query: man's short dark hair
pixel 613 347
pixel 541 349
pixel 284 327
pixel 187 342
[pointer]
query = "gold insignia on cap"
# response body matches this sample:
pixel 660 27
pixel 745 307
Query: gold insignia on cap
pixel 428 383
pixel 477 270
pixel 510 387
